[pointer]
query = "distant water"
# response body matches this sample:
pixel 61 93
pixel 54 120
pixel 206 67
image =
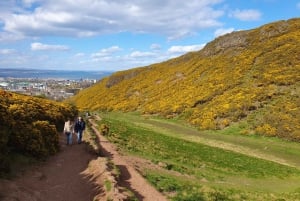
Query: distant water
pixel 52 74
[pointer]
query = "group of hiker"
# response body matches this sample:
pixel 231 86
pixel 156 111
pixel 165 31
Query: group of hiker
pixel 71 128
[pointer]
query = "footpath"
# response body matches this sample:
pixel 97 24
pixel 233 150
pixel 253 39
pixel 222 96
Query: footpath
pixel 78 174
pixel 60 178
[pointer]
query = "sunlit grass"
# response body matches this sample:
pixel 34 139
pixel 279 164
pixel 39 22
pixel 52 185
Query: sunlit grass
pixel 225 173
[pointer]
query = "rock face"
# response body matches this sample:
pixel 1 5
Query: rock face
pixel 223 43
pixel 244 39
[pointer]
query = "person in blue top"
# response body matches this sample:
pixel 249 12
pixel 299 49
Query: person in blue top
pixel 79 128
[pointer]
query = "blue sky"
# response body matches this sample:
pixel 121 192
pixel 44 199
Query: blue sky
pixel 113 35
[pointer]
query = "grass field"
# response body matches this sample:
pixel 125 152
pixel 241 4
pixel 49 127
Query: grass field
pixel 193 165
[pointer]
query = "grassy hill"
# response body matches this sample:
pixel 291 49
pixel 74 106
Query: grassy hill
pixel 246 77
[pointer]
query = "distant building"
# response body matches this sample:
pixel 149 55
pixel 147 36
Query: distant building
pixel 49 88
pixel 4 85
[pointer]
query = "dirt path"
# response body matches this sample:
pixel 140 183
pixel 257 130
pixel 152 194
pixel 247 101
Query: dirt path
pixel 75 174
pixel 130 178
pixel 60 178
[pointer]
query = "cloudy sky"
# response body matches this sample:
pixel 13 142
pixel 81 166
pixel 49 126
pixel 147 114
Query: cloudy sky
pixel 112 35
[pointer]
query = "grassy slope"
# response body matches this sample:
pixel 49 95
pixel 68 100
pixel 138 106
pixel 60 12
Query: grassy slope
pixel 265 147
pixel 250 76
pixel 218 166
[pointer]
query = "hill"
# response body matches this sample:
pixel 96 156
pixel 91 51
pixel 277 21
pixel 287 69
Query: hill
pixel 29 126
pixel 247 77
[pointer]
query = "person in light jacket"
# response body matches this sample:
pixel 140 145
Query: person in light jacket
pixel 69 130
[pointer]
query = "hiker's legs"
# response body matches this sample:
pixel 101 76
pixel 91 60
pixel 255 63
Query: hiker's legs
pixel 79 137
pixel 70 138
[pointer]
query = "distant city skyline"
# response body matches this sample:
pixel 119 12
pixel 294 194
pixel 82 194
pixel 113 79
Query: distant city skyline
pixel 111 35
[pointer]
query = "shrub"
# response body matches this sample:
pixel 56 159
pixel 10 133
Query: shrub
pixel 266 129
pixel 104 129
pixel 49 136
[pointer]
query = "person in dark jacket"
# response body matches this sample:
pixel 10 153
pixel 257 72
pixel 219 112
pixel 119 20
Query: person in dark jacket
pixel 79 128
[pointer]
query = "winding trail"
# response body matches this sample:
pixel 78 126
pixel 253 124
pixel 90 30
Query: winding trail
pixel 129 178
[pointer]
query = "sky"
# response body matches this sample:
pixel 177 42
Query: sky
pixel 115 35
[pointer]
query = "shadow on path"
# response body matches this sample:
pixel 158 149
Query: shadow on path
pixel 125 181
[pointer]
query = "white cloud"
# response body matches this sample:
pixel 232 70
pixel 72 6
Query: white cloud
pixel 184 49
pixel 81 54
pixel 220 32
pixel 8 37
pixel 138 54
pixel 174 18
pixel 15 59
pixel 41 46
pixel 246 15
pixel 106 51
pixel 135 58
pixel 102 59
pixel 298 5
pixel 7 51
pixel 7 7
pixel 155 47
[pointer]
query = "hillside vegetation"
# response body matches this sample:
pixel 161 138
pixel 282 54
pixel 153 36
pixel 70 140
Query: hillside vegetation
pixel 247 77
pixel 29 126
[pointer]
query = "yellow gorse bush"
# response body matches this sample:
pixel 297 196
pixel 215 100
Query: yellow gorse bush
pixel 30 125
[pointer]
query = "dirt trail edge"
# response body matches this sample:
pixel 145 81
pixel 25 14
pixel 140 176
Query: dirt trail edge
pixel 129 178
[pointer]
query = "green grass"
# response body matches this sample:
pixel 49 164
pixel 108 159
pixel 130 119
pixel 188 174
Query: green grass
pixel 265 147
pixel 227 173
pixel 108 185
